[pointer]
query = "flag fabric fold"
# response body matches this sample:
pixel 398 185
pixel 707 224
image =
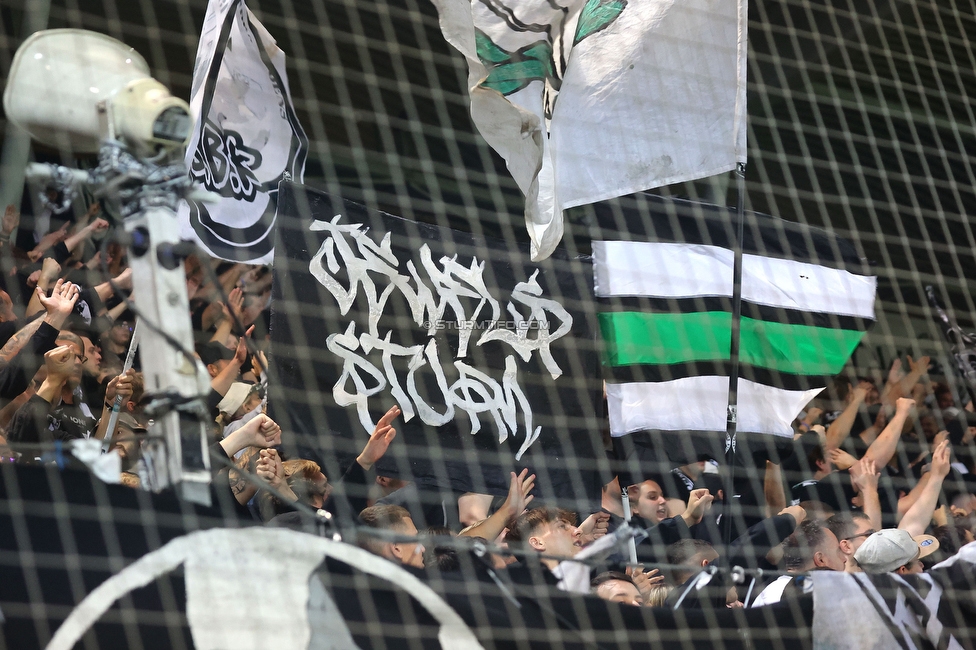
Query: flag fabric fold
pixel 592 99
pixel 665 320
pixel 246 139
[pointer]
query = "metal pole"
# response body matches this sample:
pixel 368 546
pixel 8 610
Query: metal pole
pixel 625 502
pixel 113 419
pixel 731 421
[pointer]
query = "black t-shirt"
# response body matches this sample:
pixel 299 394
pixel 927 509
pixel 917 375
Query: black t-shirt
pixel 796 468
pixel 38 422
pixel 73 420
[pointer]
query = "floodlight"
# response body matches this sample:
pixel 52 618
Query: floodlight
pixel 73 89
pixel 88 93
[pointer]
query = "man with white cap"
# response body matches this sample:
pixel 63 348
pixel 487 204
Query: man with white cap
pixel 894 551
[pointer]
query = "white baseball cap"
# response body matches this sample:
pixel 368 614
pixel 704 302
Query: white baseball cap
pixel 888 549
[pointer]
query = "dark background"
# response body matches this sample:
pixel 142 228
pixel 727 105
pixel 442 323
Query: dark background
pixel 861 120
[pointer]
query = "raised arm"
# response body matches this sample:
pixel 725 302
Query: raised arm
pixel 269 468
pixel 98 225
pixel 518 498
pixel 841 427
pixel 383 434
pixel 883 448
pixel 698 502
pixel 50 269
pixel 261 432
pixel 221 383
pixel 773 489
pixel 47 241
pixel 58 306
pixel 917 519
pixel 865 475
pixel 105 290
pixel 11 219
pixel 120 386
pixel 30 422
pixel 235 304
pixel 917 370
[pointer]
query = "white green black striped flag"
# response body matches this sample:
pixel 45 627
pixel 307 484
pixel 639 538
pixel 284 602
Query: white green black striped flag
pixel 665 318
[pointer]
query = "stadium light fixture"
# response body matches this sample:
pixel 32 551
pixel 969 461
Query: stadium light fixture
pixel 73 89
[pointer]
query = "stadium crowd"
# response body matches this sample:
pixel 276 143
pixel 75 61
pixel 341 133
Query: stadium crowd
pixel 881 478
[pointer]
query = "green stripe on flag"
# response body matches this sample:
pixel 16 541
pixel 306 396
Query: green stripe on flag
pixel 634 338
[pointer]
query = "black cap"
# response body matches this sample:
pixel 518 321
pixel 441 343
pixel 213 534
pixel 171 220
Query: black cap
pixel 836 491
pixel 956 484
pixel 129 421
pixel 212 352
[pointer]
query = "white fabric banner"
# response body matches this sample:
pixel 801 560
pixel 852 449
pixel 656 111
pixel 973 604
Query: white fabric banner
pixel 591 99
pixel 699 404
pixel 246 139
pixel 634 268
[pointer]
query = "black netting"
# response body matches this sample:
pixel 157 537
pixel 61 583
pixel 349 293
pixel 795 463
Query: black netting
pixel 392 266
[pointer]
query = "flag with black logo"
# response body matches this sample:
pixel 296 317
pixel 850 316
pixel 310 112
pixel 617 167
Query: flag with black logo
pixel 247 137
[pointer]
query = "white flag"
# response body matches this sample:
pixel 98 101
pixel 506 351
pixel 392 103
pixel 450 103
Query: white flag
pixel 591 99
pixel 246 139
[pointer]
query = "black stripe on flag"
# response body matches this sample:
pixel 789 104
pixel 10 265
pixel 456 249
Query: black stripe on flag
pixel 662 373
pixel 645 217
pixel 721 303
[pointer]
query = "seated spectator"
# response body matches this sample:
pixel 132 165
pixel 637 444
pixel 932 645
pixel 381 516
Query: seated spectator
pixel 951 538
pixel 127 442
pixel 850 530
pixel 651 510
pixel 310 486
pixel 308 482
pixel 617 587
pixel 692 555
pixel 21 354
pixel 397 520
pixel 811 547
pixel 55 412
pixel 894 551
pixel 550 531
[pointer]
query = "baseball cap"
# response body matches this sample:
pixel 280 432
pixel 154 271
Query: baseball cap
pixel 888 549
pixel 213 351
pixel 235 397
pixel 130 422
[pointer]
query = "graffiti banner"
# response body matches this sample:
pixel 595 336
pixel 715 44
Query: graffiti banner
pixel 491 358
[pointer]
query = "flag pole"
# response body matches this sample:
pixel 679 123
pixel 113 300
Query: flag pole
pixel 732 414
pixel 631 544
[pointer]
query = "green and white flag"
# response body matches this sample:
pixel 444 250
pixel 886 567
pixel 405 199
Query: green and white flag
pixel 665 318
pixel 587 100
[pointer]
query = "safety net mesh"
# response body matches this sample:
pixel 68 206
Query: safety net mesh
pixel 582 388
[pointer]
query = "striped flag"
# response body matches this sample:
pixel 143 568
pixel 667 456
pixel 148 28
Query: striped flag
pixel 665 319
